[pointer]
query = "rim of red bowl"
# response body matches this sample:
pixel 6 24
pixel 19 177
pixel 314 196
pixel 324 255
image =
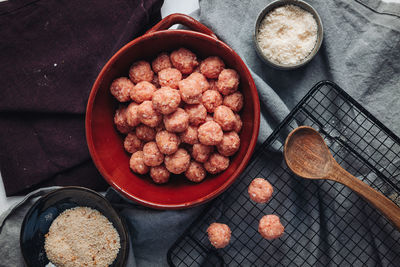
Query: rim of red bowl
pixel 212 194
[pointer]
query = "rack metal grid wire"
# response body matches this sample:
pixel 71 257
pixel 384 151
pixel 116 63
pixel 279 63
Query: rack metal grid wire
pixel 326 224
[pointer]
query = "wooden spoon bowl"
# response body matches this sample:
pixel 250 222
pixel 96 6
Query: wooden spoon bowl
pixel 308 156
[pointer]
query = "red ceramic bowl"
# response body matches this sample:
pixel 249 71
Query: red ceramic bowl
pixel 106 144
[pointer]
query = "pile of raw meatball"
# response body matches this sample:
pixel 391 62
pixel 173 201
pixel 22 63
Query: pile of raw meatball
pixel 269 227
pixel 179 114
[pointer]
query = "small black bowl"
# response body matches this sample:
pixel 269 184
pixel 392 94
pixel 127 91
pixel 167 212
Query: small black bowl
pixel 41 215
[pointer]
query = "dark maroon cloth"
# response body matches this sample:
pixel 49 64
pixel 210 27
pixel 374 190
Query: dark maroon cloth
pixel 50 54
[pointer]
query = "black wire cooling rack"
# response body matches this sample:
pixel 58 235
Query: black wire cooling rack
pixel 326 224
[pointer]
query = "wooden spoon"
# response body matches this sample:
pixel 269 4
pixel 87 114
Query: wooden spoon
pixel 307 155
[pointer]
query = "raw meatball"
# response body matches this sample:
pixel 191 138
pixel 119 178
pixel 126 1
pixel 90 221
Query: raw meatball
pixel 195 172
pixel 132 117
pixel 145 133
pixel 121 121
pixel 167 142
pixel 201 152
pixel 137 164
pixel 161 62
pixel 216 163
pixel 177 121
pixel 143 91
pixel 159 174
pixel 169 77
pixel 204 85
pixel 132 143
pixel 197 114
pixel 141 71
pixel 211 67
pixel 228 81
pixel 184 60
pixel 210 133
pixel 213 84
pixel 148 115
pixel 211 99
pixel 178 162
pixel 219 235
pixel 190 91
pixel 234 101
pixel 189 136
pixel 260 190
pixel 152 155
pixel 229 145
pixel 121 88
pixel 225 117
pixel 166 100
pixel 238 124
pixel 270 227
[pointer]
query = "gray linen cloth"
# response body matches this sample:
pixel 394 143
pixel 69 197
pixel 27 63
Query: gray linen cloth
pixel 360 52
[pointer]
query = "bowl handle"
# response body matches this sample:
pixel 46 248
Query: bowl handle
pixel 183 19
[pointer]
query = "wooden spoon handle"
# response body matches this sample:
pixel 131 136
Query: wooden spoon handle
pixel 390 210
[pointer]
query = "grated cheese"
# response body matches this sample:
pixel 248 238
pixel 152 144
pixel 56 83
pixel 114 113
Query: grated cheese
pixel 287 34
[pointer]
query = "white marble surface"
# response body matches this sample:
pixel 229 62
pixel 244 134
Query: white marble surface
pixel 169 7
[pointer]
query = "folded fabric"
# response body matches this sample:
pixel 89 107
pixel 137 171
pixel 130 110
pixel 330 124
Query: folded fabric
pixel 50 55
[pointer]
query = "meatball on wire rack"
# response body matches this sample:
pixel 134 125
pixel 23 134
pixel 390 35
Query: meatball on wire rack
pixel 317 223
